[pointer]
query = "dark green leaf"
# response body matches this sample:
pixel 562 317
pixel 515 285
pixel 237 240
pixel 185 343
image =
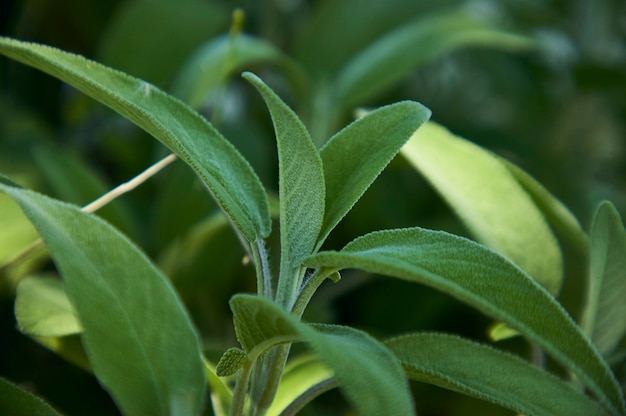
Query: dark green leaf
pixel 369 374
pixel 354 157
pixel 301 191
pixel 222 168
pixel 17 402
pixel 139 339
pixel 489 200
pixel 605 312
pixel 486 373
pixel 485 280
pixel 395 55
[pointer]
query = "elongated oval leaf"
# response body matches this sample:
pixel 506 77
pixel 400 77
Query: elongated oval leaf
pixel 605 312
pixel 42 308
pixel 301 190
pixel 486 373
pixel 17 402
pixel 489 200
pixel 215 61
pixel 139 339
pixel 485 280
pixel 369 374
pixel 225 172
pixel 354 157
pixel 395 55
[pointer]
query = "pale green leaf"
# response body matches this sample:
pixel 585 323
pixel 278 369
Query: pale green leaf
pixel 124 304
pixel 221 394
pixel 354 157
pixel 17 231
pixel 42 308
pixel 211 65
pixel 399 52
pixel 225 172
pixel 489 200
pixel 480 371
pixel 487 281
pixel 558 215
pixel 15 401
pixel 69 347
pixel 605 313
pixel 368 373
pixel 301 191
pixel 305 378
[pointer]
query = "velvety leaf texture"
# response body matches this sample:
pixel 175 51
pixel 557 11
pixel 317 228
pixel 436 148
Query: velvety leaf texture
pixel 605 313
pixel 17 402
pixel 354 157
pixel 486 373
pixel 301 190
pixel 145 351
pixel 489 200
pixel 225 172
pixel 368 373
pixel 485 280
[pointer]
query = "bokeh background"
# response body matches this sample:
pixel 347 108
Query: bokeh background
pixel 556 106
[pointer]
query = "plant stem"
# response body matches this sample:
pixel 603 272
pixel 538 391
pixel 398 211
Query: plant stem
pixel 99 203
pixel 241 389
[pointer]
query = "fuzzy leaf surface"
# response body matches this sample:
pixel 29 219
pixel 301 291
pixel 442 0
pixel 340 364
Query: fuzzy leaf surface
pixel 301 190
pixel 15 401
pixel 483 372
pixel 605 312
pixel 489 200
pixel 366 370
pixel 355 156
pixel 474 274
pixel 224 171
pixel 124 304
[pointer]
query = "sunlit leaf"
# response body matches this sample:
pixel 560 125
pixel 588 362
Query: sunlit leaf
pixel 42 308
pixel 486 373
pixel 487 281
pixel 399 52
pixel 222 168
pixel 354 157
pixel 301 191
pixel 605 312
pixel 106 276
pixel 301 375
pixel 15 401
pixel 367 372
pixel 489 200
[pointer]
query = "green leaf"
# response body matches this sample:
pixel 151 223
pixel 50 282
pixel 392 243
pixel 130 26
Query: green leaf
pixel 369 374
pixel 72 180
pixel 301 191
pixel 151 39
pixel 557 214
pixel 605 313
pixel 221 394
pixel 486 373
pixel 354 157
pixel 17 402
pixel 489 200
pixel 124 304
pixel 225 172
pixel 398 53
pixel 487 281
pixel 17 231
pixel 211 65
pixel 42 308
pixel 305 377
pixel 232 360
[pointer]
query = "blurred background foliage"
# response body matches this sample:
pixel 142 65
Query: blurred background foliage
pixel 542 83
